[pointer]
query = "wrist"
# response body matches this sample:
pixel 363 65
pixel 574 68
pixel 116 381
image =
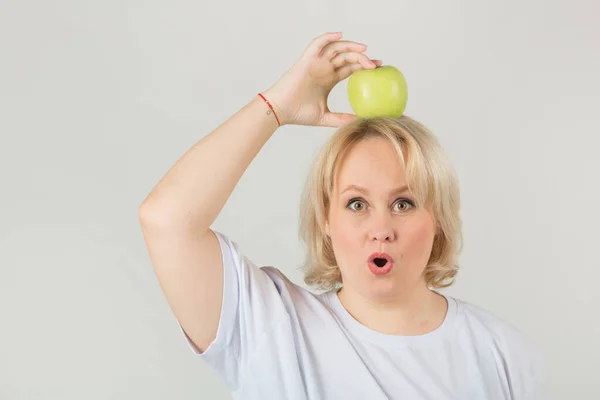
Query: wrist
pixel 272 100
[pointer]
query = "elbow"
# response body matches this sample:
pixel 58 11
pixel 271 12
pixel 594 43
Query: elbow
pixel 150 215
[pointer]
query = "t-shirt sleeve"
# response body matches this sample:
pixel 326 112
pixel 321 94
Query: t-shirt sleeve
pixel 527 369
pixel 537 387
pixel 251 304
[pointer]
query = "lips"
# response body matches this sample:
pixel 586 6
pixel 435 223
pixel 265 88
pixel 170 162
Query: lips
pixel 380 259
pixel 380 264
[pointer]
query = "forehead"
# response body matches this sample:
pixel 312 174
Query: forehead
pixel 372 162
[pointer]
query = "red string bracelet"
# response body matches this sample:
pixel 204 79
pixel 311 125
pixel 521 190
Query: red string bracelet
pixel 271 107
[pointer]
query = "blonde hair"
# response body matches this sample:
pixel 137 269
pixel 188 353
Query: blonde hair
pixel 430 178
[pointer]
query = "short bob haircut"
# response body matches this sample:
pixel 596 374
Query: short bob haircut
pixel 430 179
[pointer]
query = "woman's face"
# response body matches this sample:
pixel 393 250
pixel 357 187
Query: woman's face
pixel 372 211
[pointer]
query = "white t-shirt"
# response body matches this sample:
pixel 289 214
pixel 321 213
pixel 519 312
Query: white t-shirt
pixel 277 340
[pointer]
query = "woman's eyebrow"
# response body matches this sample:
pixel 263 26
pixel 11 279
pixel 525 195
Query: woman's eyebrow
pixel 366 191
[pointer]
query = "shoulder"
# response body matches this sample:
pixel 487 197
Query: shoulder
pixel 487 325
pixel 484 322
pixel 258 280
pixel 477 317
pixel 510 345
pixel 287 288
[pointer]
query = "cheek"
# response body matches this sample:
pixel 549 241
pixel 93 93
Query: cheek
pixel 421 239
pixel 345 236
pixel 424 232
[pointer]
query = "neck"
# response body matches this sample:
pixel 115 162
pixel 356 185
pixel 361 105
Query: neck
pixel 411 313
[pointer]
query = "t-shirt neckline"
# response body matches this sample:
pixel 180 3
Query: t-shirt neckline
pixel 379 338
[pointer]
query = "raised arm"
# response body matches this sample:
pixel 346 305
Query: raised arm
pixel 177 215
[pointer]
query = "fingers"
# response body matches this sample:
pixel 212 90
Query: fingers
pixel 321 41
pixel 335 120
pixel 341 46
pixel 344 58
pixel 346 70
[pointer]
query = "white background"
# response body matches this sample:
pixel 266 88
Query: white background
pixel 99 98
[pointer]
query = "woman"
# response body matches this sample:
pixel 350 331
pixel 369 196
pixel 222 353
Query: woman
pixel 381 225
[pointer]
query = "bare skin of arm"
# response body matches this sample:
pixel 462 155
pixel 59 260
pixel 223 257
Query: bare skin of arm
pixel 177 215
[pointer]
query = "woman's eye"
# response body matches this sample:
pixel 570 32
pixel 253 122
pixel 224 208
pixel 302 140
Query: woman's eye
pixel 359 205
pixel 356 202
pixel 407 204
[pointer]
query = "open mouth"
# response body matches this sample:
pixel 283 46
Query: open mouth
pixel 380 262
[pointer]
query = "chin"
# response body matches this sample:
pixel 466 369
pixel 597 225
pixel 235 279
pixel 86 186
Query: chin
pixel 381 289
pixel 390 286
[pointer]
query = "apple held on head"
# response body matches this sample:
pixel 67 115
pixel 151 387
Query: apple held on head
pixel 378 92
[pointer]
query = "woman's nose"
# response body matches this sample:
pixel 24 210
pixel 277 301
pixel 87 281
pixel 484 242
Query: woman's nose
pixel 383 235
pixel 382 228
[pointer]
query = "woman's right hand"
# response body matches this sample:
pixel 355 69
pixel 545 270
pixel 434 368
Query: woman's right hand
pixel 300 95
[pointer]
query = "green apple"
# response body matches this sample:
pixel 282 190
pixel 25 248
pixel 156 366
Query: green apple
pixel 378 92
